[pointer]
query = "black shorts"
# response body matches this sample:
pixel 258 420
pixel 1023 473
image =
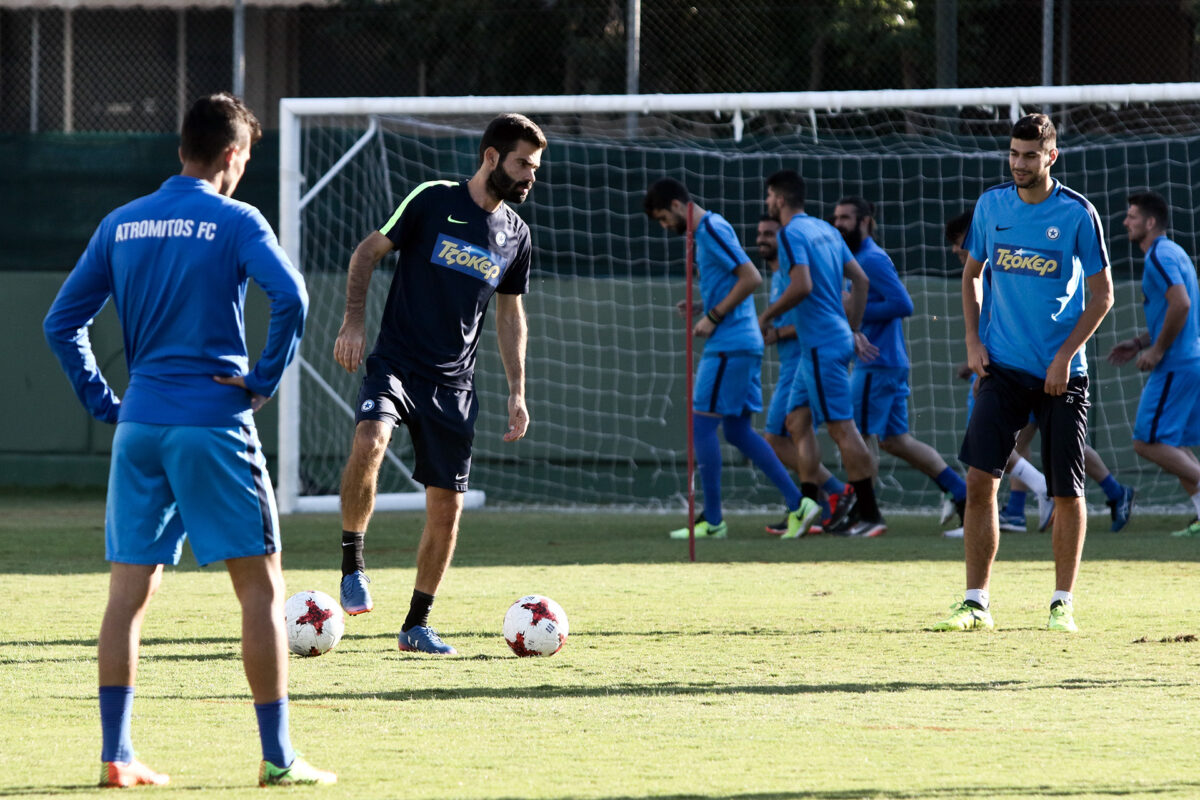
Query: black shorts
pixel 1004 400
pixel 440 420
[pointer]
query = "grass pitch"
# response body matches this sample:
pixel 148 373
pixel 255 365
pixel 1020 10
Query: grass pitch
pixel 766 670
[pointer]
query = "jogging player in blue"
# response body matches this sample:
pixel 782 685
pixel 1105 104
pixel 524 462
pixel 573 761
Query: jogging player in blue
pixel 880 386
pixel 186 459
pixel 1168 416
pixel 1042 242
pixel 459 244
pixel 728 387
pixel 782 334
pixel 818 261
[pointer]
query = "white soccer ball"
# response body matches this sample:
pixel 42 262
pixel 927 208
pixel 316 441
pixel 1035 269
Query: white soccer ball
pixel 535 626
pixel 314 623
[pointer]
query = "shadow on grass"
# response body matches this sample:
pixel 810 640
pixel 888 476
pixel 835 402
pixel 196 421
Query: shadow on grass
pixel 1168 788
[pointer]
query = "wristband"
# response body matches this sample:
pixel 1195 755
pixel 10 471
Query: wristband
pixel 714 317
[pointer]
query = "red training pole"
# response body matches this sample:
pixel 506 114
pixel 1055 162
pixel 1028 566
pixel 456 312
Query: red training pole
pixel 691 444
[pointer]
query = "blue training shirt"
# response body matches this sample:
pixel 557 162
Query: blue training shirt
pixel 176 264
pixel 1040 256
pixel 888 303
pixel 717 255
pixel 1167 264
pixel 787 349
pixel 820 318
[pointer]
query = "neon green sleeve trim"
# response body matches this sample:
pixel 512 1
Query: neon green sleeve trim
pixel 396 217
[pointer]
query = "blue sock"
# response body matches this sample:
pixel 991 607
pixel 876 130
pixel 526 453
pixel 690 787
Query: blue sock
pixel 708 459
pixel 116 710
pixel 833 486
pixel 739 434
pixel 273 732
pixel 1016 504
pixel 1112 489
pixel 949 481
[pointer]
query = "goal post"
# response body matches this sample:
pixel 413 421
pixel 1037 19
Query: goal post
pixel 606 390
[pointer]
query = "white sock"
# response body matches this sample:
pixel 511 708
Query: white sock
pixel 1196 503
pixel 1061 595
pixel 1028 474
pixel 979 596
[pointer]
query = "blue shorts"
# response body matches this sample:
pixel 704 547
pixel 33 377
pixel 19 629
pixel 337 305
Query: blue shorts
pixel 168 483
pixel 729 384
pixel 778 410
pixel 1169 411
pixel 880 401
pixel 823 383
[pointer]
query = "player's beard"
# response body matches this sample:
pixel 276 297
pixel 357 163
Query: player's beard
pixel 853 239
pixel 507 188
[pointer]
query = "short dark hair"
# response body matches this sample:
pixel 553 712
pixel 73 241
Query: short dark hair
pixel 862 208
pixel 661 193
pixel 1035 128
pixel 1154 204
pixel 958 226
pixel 768 218
pixel 506 130
pixel 212 124
pixel 788 184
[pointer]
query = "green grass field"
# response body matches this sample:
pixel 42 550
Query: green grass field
pixel 766 670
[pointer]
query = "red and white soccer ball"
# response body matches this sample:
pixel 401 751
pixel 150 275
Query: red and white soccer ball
pixel 535 626
pixel 314 623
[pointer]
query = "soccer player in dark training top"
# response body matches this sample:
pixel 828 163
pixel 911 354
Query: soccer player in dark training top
pixel 459 244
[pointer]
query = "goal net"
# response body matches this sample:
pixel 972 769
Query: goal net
pixel 606 369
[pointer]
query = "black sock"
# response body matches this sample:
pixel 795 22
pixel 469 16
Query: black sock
pixel 864 493
pixel 973 604
pixel 418 611
pixel 810 490
pixel 352 552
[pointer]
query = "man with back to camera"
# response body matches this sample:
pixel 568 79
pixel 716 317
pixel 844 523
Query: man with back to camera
pixel 1041 242
pixel 458 243
pixel 186 459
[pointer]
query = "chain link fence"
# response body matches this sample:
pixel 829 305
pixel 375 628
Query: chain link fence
pixel 92 67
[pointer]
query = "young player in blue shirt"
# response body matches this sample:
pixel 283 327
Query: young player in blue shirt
pixel 459 245
pixel 782 334
pixel 880 386
pixel 1168 415
pixel 186 459
pixel 1042 243
pixel 728 386
pixel 818 262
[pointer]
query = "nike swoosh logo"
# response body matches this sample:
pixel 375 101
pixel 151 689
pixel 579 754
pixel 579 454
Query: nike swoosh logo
pixel 462 477
pixel 456 221
pixel 1003 227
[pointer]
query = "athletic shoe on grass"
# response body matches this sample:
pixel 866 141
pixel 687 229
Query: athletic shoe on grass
pixel 1012 522
pixel 1062 618
pixel 1193 529
pixel 298 773
pixel 802 518
pixel 118 774
pixel 704 530
pixel 355 597
pixel 423 639
pixel 965 617
pixel 1122 508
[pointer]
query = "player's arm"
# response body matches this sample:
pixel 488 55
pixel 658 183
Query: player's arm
pixel 352 338
pixel 855 305
pixel 799 287
pixel 1178 306
pixel 266 263
pixel 1101 288
pixel 972 294
pixel 512 332
pixel 890 300
pixel 748 279
pixel 80 299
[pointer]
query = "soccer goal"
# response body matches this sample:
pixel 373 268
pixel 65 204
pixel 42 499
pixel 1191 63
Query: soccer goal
pixel 606 368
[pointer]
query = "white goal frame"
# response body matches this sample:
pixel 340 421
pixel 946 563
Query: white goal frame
pixel 293 195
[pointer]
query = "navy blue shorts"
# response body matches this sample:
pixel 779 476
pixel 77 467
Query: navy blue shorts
pixel 1004 399
pixel 440 420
